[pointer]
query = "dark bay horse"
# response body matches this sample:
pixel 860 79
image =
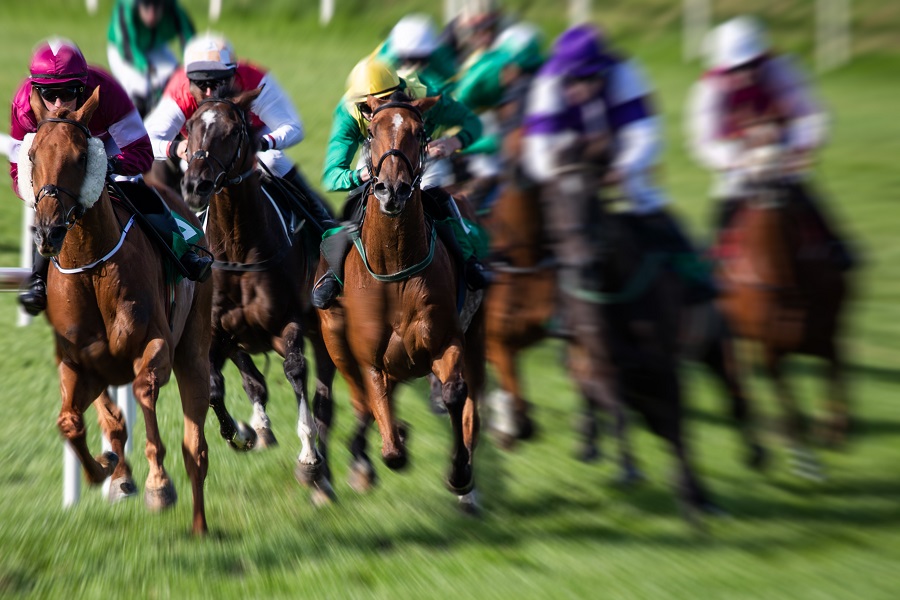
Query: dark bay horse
pixel 263 276
pixel 782 290
pixel 397 318
pixel 117 318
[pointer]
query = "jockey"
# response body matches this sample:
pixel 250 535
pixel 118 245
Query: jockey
pixel 209 67
pixel 588 99
pixel 138 53
pixel 475 30
pixel 748 85
pixel 416 51
pixel 64 80
pixel 349 130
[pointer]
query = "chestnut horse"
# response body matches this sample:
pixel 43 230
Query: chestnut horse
pixel 783 291
pixel 397 318
pixel 115 314
pixel 263 277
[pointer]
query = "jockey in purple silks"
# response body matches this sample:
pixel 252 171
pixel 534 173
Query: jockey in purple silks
pixel 64 80
pixel 746 88
pixel 587 98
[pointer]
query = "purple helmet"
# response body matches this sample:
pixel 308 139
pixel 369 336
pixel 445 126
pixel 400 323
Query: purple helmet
pixel 580 52
pixel 58 61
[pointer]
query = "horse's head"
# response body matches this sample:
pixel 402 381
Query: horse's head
pixel 396 147
pixel 219 148
pixel 62 170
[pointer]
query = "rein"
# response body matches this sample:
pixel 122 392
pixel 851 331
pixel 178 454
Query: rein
pixel 53 191
pixel 221 181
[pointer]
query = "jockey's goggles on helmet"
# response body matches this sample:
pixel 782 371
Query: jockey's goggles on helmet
pixel 64 94
pixel 151 3
pixel 204 82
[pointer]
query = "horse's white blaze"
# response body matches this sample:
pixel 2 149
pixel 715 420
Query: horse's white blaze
pixel 398 121
pixel 209 117
pixel 307 432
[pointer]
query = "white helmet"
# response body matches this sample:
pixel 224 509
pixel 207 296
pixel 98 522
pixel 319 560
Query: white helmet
pixel 736 42
pixel 413 37
pixel 209 56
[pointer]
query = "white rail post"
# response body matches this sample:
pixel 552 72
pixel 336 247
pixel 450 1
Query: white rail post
pixel 71 476
pixel 833 36
pixel 215 10
pixel 91 6
pixel 695 24
pixel 326 12
pixel 579 11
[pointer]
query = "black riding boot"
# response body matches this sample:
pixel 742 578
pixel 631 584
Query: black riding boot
pixel 312 201
pixel 664 234
pixel 33 293
pixel 475 274
pixel 334 249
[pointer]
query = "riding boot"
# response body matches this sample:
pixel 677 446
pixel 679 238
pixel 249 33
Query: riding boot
pixel 474 272
pixel 312 201
pixel 838 250
pixel 664 234
pixel 33 293
pixel 334 249
pixel 199 268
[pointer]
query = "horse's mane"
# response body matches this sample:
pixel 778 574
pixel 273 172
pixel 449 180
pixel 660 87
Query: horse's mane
pixel 400 96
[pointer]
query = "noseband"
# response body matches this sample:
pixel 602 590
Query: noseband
pixel 221 180
pixel 77 210
pixel 415 172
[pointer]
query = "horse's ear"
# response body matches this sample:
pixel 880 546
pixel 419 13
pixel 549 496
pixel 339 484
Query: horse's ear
pixel 83 115
pixel 372 104
pixel 37 105
pixel 425 104
pixel 245 99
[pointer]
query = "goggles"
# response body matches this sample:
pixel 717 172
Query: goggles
pixel 64 94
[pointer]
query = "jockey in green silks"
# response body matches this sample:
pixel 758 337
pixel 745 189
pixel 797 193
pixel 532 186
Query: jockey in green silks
pixel 349 130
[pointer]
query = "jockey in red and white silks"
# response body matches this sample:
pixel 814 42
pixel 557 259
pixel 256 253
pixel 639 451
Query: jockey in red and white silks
pixel 748 85
pixel 209 63
pixel 65 80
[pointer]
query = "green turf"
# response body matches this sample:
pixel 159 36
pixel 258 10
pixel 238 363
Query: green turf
pixel 553 527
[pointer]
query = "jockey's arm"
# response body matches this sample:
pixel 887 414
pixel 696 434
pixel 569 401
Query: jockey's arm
pixel 163 124
pixel 702 121
pixel 135 152
pixel 275 109
pixel 343 142
pixel 449 113
pixel 807 122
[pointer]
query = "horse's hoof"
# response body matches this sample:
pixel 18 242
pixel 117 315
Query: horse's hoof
pixel 527 429
pixel 403 432
pixel 159 499
pixel 322 493
pixel 362 477
pixel 396 461
pixel 264 439
pixel 307 474
pixel 462 488
pixel 121 488
pixel 468 504
pixel 244 438
pixel 504 441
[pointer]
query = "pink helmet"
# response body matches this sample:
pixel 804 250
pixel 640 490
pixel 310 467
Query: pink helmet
pixel 58 61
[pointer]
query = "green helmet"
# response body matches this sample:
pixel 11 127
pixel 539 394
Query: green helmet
pixel 522 44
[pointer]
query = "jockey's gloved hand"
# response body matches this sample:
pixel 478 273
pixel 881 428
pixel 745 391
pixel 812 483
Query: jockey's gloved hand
pixel 263 144
pixel 112 163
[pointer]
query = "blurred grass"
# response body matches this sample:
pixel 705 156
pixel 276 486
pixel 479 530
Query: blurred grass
pixel 553 528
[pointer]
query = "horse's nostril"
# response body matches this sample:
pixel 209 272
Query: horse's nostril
pixel 205 188
pixel 404 191
pixel 56 235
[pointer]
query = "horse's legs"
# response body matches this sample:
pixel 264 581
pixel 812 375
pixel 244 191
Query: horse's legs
pixel 510 419
pixel 254 383
pixel 109 416
pixel 379 391
pixel 448 368
pixel 719 356
pixel 77 395
pixel 323 401
pixel 239 435
pixel 151 375
pixel 804 463
pixel 193 385
pixel 362 475
pixel 838 406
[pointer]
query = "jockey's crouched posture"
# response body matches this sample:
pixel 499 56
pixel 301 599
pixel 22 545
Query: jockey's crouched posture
pixel 748 87
pixel 63 79
pixel 588 98
pixel 349 130
pixel 210 66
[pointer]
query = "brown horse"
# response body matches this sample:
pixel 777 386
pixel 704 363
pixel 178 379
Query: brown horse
pixel 115 315
pixel 397 319
pixel 263 277
pixel 783 291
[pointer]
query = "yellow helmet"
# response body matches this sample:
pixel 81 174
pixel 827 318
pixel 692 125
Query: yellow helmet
pixel 371 76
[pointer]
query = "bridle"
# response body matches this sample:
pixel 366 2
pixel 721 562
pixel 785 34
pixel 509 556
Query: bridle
pixel 221 181
pixel 415 172
pixel 53 191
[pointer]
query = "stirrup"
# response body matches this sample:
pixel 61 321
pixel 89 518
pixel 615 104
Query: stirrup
pixel 326 291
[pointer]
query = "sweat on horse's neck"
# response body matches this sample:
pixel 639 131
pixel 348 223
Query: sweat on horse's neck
pixel 395 243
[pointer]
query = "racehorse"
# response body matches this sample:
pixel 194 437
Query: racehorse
pixel 263 277
pixel 781 289
pixel 624 311
pixel 397 318
pixel 116 315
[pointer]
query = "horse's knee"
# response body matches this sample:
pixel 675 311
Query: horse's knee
pixel 295 365
pixel 71 425
pixel 454 393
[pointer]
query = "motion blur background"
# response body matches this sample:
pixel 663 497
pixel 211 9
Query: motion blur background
pixel 553 527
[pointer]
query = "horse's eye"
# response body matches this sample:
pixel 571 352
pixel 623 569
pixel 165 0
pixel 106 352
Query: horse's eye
pixel 82 159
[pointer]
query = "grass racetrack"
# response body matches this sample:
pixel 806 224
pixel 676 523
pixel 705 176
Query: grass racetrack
pixel 552 527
